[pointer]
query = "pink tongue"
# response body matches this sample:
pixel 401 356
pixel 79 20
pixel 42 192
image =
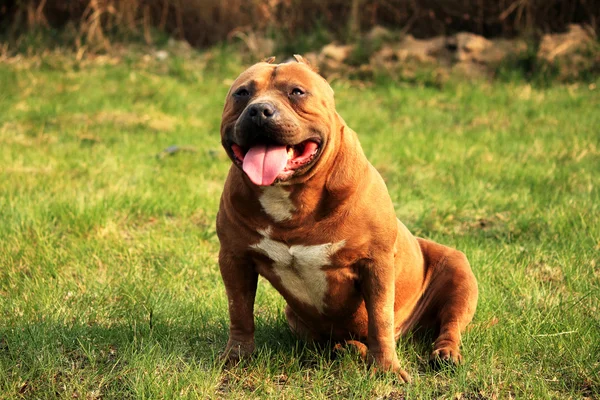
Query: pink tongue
pixel 263 163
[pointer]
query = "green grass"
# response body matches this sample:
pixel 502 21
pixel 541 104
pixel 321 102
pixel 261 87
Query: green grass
pixel 109 284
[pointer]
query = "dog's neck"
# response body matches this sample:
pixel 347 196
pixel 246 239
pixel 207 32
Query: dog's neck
pixel 328 192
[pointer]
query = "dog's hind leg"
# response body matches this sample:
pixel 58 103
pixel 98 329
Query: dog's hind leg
pixel 452 293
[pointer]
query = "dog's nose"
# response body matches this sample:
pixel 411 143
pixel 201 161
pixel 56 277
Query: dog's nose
pixel 261 112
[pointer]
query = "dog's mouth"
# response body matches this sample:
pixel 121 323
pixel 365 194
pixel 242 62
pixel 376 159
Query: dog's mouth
pixel 266 163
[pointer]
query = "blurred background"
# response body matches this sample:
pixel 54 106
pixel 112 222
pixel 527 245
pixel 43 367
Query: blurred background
pixel 205 22
pixel 482 36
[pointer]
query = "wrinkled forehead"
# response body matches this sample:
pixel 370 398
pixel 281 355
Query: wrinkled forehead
pixel 263 76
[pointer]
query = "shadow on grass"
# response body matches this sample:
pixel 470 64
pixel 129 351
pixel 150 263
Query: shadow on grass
pixel 129 359
pixel 54 357
pixel 201 342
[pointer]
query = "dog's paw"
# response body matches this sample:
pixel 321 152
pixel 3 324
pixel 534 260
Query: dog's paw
pixel 351 346
pixel 401 375
pixel 235 351
pixel 385 363
pixel 449 356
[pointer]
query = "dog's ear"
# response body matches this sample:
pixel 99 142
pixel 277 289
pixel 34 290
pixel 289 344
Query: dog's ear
pixel 304 61
pixel 269 60
pixel 301 59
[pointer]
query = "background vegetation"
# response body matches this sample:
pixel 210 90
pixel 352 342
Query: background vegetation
pixel 206 22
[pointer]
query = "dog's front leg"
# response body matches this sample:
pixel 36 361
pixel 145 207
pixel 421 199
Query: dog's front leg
pixel 377 284
pixel 240 280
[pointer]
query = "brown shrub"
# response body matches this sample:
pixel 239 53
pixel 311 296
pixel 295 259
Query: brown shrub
pixel 205 22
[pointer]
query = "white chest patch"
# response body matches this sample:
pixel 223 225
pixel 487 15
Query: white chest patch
pixel 300 267
pixel 276 202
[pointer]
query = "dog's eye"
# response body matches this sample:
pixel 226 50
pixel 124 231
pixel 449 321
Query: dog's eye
pixel 297 92
pixel 242 92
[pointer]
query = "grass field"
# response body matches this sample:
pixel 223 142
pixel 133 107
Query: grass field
pixel 109 283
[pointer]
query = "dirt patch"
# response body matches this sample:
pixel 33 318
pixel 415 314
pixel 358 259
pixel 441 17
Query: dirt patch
pixel 156 121
pixel 570 54
pixel 543 272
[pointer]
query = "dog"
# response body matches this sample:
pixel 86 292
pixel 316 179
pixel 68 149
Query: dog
pixel 303 207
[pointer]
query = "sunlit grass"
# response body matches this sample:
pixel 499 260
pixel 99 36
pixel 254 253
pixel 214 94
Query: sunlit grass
pixel 109 284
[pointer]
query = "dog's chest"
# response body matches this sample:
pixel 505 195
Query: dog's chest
pixel 299 268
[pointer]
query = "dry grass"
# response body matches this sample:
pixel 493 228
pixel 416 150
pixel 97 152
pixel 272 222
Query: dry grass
pixel 205 22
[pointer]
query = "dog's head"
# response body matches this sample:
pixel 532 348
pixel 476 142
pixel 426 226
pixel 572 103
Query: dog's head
pixel 277 121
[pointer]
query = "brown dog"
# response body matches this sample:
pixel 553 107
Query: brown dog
pixel 304 208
